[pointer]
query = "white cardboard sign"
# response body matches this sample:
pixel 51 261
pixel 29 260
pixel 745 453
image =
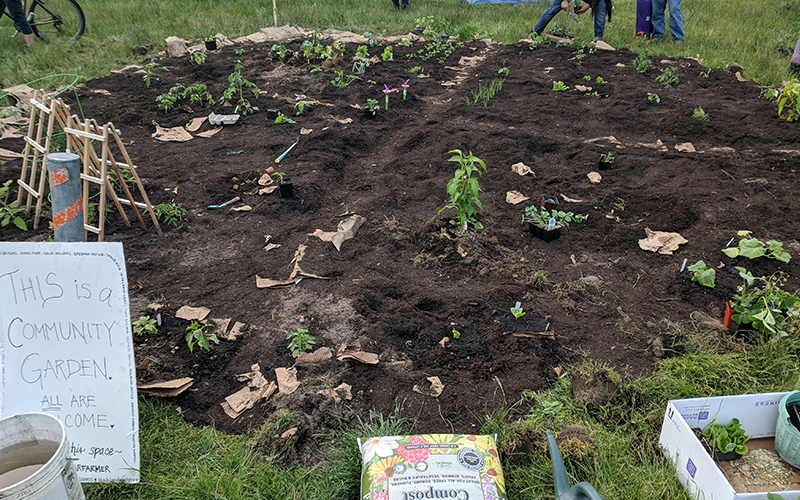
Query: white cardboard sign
pixel 66 349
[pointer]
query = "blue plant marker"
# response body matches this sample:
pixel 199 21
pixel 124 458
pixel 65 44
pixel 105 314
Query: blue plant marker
pixel 551 225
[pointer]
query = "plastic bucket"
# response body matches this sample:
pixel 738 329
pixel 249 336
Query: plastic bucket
pixel 34 459
pixel 787 437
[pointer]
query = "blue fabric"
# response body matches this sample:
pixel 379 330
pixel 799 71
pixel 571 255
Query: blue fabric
pixel 15 8
pixel 547 16
pixel 599 18
pixel 660 21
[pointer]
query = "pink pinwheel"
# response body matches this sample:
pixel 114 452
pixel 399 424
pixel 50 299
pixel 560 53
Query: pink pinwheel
pixel 405 86
pixel 386 90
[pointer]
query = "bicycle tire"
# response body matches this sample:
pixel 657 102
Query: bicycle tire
pixel 57 20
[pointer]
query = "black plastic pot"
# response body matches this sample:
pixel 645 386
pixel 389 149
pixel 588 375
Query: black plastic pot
pixel 272 113
pixel 549 202
pixel 370 113
pixel 725 457
pixel 212 45
pixel 287 188
pixel 604 165
pixel 543 234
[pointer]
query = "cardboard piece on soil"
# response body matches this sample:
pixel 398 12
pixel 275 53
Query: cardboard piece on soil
pixel 522 169
pixel 265 180
pixel 221 326
pixel 174 134
pixel 346 230
pixel 309 358
pixel 190 313
pixel 297 271
pixel 661 242
pixel 707 320
pixel 594 177
pixel 208 133
pixel 287 380
pixel 194 125
pixel 339 393
pixel 434 390
pixel 243 208
pixel 9 155
pixel 9 133
pixel 347 351
pixel 305 131
pixel 256 389
pixel 176 47
pixel 21 93
pixel 268 190
pixel 610 139
pixel 167 389
pixel 686 147
pixel 236 331
pixel 658 145
pixel 515 197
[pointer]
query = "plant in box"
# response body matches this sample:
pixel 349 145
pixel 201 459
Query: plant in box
pixel 726 441
pixel 547 224
pixel 284 184
pixel 763 303
pixel 606 160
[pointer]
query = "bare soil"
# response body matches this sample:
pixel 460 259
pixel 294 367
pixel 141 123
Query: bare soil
pixel 407 280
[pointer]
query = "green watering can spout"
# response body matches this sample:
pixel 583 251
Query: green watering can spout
pixel 580 491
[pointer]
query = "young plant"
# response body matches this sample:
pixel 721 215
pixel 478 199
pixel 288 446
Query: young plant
pixel 239 51
pixel 169 99
pixel 197 58
pixel 642 62
pixel 199 93
pixel 559 87
pixel 668 77
pixel 237 86
pixel 503 71
pixel 387 54
pixel 769 94
pixel 148 72
pixel 699 113
pixel 372 104
pixel 145 325
pixel 300 341
pixel 560 30
pixel 753 248
pixel 517 312
pixel 456 334
pixel 196 335
pixel 607 157
pixel 542 217
pixel 169 213
pixel 726 438
pixel 301 106
pixel 280 176
pixel 281 118
pixel 463 189
pixel 416 70
pixel 702 274
pixel 653 97
pixel 9 212
pixel 485 91
pixel 789 101
pixel 768 307
pixel 209 38
pixel 343 81
pixel 600 80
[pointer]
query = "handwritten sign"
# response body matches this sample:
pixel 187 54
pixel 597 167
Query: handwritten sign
pixel 66 349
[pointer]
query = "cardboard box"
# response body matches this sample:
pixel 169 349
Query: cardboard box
pixel 697 472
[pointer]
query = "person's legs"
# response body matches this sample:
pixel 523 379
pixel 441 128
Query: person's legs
pixel 547 16
pixel 675 20
pixel 658 18
pixel 20 22
pixel 599 20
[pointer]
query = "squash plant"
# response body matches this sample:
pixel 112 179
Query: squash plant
pixel 727 438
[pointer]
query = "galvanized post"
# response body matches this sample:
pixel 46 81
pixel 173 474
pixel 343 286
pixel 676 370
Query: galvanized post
pixel 64 171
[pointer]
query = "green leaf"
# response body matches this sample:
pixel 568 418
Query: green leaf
pixel 751 248
pixel 782 256
pixel 731 252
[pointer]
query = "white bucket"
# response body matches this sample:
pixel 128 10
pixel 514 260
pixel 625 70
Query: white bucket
pixel 34 460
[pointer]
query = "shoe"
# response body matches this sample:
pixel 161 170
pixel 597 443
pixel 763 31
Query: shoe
pixel 404 6
pixel 678 42
pixel 655 40
pixel 396 5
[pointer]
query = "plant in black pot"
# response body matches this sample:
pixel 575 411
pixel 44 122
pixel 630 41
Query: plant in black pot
pixel 547 224
pixel 549 202
pixel 371 110
pixel 211 43
pixel 284 184
pixel 606 160
pixel 726 441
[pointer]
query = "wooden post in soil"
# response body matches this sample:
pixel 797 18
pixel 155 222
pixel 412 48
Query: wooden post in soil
pixel 275 12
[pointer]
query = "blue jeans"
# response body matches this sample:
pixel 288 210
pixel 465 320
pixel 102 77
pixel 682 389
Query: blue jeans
pixel 15 9
pixel 660 21
pixel 549 14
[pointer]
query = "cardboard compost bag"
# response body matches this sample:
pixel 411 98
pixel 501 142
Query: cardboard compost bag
pixel 430 466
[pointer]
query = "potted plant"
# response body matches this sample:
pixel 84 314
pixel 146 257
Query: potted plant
pixel 606 159
pixel 726 441
pixel 371 111
pixel 549 202
pixel 211 43
pixel 547 224
pixel 284 184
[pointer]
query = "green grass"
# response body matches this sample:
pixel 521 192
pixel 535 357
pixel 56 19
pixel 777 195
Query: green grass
pixel 755 34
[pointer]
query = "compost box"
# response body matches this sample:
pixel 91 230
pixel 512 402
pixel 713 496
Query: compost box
pixel 697 471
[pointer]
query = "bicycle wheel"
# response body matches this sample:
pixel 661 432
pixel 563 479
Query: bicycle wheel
pixel 57 20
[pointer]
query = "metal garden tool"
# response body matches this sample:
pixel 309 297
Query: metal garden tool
pixel 281 157
pixel 573 16
pixel 232 200
pixel 580 491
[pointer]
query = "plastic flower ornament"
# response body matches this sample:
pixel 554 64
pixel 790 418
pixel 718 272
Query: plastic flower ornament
pixel 387 90
pixel 405 86
pixel 380 446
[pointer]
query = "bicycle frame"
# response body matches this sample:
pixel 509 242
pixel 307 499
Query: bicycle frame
pixel 30 15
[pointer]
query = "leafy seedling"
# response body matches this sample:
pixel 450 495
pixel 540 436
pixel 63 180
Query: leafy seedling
pixel 463 189
pixel 727 438
pixel 653 97
pixel 699 113
pixel 702 274
pixel 456 334
pixel 281 118
pixel 300 341
pixel 753 248
pixel 196 336
pixel 9 212
pixel 145 325
pixel 517 312
pixel 560 87
pixel 668 77
pixel 169 213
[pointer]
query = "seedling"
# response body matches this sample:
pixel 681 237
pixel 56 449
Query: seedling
pixel 300 341
pixel 239 52
pixel 653 97
pixel 668 77
pixel 372 104
pixel 281 118
pixel 727 438
pixel 145 325
pixel 9 212
pixel 198 93
pixel 699 113
pixel 705 74
pixel 209 38
pixel 587 78
pixel 197 58
pixel 517 311
pixel 703 275
pixel 463 189
pixel 607 157
pixel 169 213
pixel 768 307
pixel 503 71
pixel 169 99
pixel 280 176
pixel 197 336
pixel 416 70
pixel 456 334
pixel 343 81
pixel 237 86
pixel 406 42
pixel 642 62
pixel 753 248
pixel 485 91
pixel 387 54
pixel 600 80
pixel 542 217
pixel 301 106
pixel 148 72
pixel 560 87
pixel 789 101
pixel 769 94
pixel 560 30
